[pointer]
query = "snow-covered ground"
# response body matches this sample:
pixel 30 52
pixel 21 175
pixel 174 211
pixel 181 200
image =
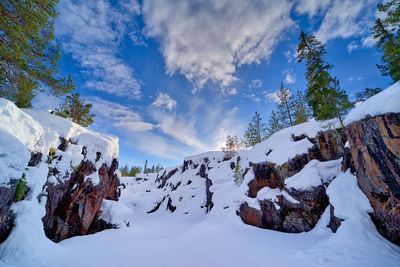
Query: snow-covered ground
pixel 190 236
pixel 221 239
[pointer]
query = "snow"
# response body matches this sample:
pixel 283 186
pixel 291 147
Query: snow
pixel 386 101
pixel 189 236
pixel 314 174
pixel 280 147
pixel 221 239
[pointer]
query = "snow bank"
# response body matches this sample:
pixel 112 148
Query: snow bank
pixel 281 147
pixel 116 213
pixel 386 101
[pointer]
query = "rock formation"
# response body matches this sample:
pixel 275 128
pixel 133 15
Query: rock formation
pixel 375 149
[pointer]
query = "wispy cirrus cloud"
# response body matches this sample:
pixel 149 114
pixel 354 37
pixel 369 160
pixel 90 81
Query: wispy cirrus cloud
pixel 164 100
pixel 91 32
pixel 115 115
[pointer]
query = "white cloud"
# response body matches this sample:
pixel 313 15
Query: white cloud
pixel 312 7
pixel 290 77
pixel 208 40
pixel 91 32
pixel 369 41
pixel 254 84
pixel 346 18
pixel 352 46
pixel 118 116
pixel 164 100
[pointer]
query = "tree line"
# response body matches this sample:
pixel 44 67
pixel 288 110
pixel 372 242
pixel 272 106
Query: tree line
pixel 135 170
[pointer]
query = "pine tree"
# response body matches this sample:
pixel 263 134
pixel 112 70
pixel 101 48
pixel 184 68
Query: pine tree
pixel 238 173
pixel 28 54
pixel 231 146
pixel 255 132
pixel 285 106
pixel 302 112
pixel 145 170
pixel 387 33
pixel 367 93
pixel 274 124
pixel 135 170
pixel 124 171
pixel 77 110
pixel 324 95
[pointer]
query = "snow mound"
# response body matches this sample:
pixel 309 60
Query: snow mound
pixel 116 213
pixel 387 101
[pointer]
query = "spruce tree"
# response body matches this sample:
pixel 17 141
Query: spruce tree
pixel 367 93
pixel 387 33
pixel 28 55
pixel 145 170
pixel 255 131
pixel 324 95
pixel 285 106
pixel 274 124
pixel 77 110
pixel 231 145
pixel 302 112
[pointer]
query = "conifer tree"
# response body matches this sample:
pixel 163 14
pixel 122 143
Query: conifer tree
pixel 231 145
pixel 124 171
pixel 387 33
pixel 135 170
pixel 77 110
pixel 28 55
pixel 285 106
pixel 302 112
pixel 255 132
pixel 324 95
pixel 367 93
pixel 274 124
pixel 145 170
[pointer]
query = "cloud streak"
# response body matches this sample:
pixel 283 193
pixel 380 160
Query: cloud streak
pixel 91 32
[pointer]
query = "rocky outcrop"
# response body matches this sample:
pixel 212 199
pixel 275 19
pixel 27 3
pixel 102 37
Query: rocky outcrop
pixel 375 149
pixel 6 216
pixel 265 174
pixel 73 205
pixel 285 215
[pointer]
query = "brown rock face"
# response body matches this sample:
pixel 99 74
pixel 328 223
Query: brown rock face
pixel 6 216
pixel 73 206
pixel 265 174
pixel 293 217
pixel 289 217
pixel 375 148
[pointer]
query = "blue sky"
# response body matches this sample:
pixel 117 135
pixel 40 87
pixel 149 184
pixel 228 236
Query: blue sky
pixel 173 78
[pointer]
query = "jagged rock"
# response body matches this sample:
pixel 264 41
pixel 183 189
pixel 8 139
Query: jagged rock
pixel 331 144
pixel 334 222
pixel 209 204
pixel 36 158
pixel 375 148
pixel 73 205
pixel 6 216
pixel 265 174
pixel 289 217
pixel 347 162
pixel 164 178
pixel 170 207
pixel 157 206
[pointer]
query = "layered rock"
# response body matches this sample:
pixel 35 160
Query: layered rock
pixel 6 216
pixel 287 215
pixel 302 211
pixel 73 204
pixel 375 149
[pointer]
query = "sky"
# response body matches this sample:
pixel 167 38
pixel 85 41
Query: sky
pixel 172 78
